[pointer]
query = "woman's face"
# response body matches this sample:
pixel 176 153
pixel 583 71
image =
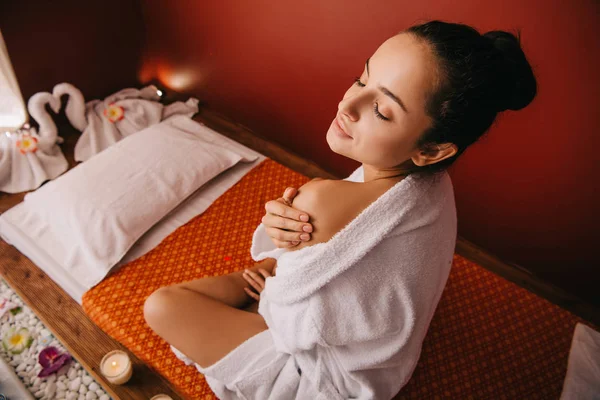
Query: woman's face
pixel 384 111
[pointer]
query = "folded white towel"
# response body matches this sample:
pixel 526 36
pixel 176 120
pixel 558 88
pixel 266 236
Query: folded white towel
pixel 141 110
pixel 22 170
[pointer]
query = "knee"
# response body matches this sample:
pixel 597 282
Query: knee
pixel 158 306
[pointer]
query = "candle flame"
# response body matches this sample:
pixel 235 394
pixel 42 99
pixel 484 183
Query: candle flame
pixel 114 364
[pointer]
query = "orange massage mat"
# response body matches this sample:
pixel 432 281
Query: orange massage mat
pixel 488 338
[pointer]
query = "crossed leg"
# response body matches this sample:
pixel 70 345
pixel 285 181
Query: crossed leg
pixel 203 328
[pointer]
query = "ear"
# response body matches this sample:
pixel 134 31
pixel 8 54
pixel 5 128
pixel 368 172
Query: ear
pixel 436 153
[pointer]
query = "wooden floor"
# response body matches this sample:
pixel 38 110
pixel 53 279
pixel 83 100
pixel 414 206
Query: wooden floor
pixel 87 343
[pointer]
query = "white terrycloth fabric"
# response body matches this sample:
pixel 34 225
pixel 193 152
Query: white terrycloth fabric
pixel 350 313
pixel 20 171
pixel 141 110
pixel 583 370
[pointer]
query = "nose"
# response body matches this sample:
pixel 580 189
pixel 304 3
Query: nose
pixel 351 106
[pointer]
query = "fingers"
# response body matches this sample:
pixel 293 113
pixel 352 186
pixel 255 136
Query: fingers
pixel 273 221
pixel 283 210
pixel 284 244
pixel 285 236
pixel 252 294
pixel 255 280
pixel 264 273
pixel 289 194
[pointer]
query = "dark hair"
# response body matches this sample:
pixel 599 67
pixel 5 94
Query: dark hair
pixel 478 77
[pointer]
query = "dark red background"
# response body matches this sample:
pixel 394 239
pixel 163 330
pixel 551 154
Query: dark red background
pixel 528 192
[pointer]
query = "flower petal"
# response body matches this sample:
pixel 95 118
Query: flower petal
pixel 57 364
pixel 47 356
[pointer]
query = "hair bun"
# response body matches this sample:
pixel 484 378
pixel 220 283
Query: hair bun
pixel 517 85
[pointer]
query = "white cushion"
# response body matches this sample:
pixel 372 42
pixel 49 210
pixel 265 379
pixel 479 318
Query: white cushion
pixel 88 218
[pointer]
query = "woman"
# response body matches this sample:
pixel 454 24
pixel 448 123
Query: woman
pixel 424 96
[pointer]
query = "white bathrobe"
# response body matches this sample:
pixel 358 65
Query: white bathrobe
pixel 347 317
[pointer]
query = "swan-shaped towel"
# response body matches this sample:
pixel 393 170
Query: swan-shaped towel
pixel 28 158
pixel 105 122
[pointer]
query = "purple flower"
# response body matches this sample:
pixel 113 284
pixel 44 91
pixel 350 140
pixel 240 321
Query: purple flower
pixel 52 360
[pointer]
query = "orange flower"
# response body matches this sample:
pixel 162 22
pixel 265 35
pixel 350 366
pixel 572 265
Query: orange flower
pixel 27 144
pixel 114 113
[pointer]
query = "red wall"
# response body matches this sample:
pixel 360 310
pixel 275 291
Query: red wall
pixel 94 45
pixel 527 192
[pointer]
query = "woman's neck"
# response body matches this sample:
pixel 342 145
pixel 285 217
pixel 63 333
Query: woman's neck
pixel 372 174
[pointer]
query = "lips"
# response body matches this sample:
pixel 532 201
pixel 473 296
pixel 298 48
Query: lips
pixel 339 122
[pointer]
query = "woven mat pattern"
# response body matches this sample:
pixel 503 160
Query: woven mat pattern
pixel 489 338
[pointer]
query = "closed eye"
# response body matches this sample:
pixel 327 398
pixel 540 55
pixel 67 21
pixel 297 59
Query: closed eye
pixel 375 106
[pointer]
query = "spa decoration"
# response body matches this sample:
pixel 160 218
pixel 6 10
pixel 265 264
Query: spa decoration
pixel 16 340
pixel 45 340
pixel 51 360
pixel 114 113
pixel 27 143
pixel 15 311
pixel 69 382
pixel 116 367
pixel 29 157
pixel 104 122
pixel 5 306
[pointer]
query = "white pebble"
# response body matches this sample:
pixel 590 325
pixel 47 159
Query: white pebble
pixel 90 396
pixel 87 380
pixel 22 374
pixel 29 368
pixel 104 397
pixel 39 393
pixel 43 385
pixel 100 392
pixel 36 382
pixel 31 360
pixel 60 394
pixel 81 397
pixel 93 386
pixel 74 385
pixel 73 374
pixel 17 357
pixel 79 372
pixel 45 332
pixel 20 316
pixel 71 396
pixel 51 378
pixel 83 389
pixel 21 367
pixel 50 389
pixel 61 385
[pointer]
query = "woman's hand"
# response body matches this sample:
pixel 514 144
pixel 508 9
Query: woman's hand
pixel 284 224
pixel 256 281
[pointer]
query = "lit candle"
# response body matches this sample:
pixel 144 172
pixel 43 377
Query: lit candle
pixel 116 367
pixel 161 396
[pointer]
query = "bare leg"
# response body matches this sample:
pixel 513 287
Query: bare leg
pixel 206 318
pixel 203 328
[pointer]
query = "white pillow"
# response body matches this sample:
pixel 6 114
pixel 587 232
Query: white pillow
pixel 88 218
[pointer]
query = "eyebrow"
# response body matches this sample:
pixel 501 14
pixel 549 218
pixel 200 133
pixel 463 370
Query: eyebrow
pixel 387 91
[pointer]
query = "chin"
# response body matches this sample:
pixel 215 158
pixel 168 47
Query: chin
pixel 333 143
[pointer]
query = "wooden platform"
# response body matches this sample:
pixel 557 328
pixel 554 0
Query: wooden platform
pixel 87 343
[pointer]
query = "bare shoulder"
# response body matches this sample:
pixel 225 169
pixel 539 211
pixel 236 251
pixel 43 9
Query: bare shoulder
pixel 331 205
